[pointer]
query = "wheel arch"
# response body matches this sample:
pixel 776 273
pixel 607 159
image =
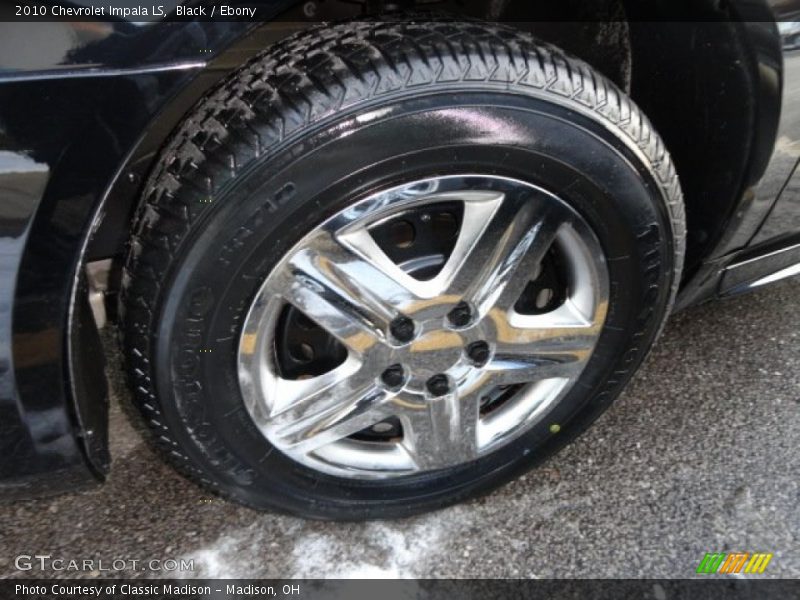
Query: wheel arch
pixel 713 89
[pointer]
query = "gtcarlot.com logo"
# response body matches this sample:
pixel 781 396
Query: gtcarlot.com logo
pixel 46 562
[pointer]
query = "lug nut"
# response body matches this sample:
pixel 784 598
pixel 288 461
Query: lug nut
pixel 478 353
pixel 438 385
pixel 393 377
pixel 461 315
pixel 402 329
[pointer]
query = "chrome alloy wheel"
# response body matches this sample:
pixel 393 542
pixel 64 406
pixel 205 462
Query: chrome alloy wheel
pixel 432 361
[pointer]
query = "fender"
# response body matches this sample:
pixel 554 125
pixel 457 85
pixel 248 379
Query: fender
pixel 107 95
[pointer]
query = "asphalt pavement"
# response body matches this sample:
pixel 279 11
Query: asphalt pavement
pixel 699 455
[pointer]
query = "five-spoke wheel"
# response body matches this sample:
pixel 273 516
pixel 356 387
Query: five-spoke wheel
pixel 449 361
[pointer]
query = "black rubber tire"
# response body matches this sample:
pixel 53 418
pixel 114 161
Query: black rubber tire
pixel 276 149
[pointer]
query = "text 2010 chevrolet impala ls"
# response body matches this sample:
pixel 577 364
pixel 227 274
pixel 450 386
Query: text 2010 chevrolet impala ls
pixel 366 262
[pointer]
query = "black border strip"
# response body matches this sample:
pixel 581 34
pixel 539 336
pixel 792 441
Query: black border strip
pixel 18 11
pixel 718 588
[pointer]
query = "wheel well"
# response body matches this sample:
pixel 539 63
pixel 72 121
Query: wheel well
pixel 697 82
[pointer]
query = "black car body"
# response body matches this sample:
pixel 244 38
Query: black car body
pixel 86 106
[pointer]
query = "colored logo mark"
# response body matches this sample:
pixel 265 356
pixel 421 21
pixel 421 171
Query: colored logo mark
pixel 734 562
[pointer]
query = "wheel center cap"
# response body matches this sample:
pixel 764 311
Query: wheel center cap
pixel 435 352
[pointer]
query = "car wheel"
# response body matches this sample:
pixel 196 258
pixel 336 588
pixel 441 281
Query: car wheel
pixel 386 267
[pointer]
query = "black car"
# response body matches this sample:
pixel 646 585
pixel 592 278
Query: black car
pixel 366 261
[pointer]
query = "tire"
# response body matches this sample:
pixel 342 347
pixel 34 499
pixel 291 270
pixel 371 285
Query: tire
pixel 336 114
